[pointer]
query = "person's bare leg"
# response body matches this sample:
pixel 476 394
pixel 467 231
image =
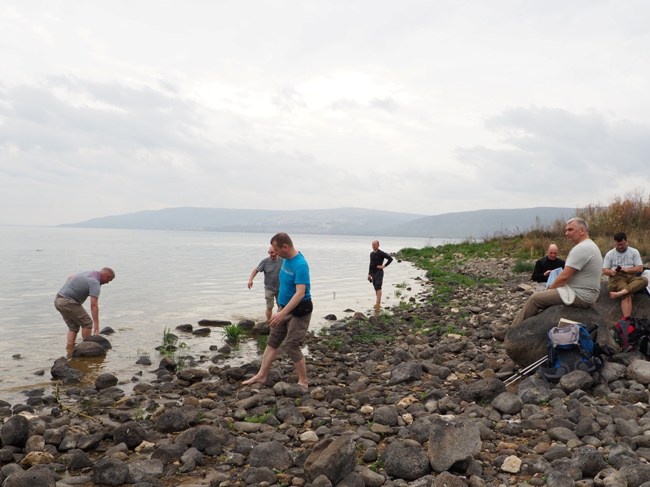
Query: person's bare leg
pixel 269 356
pixel 86 332
pixel 269 313
pixel 618 294
pixel 72 337
pixel 378 303
pixel 301 370
pixel 626 306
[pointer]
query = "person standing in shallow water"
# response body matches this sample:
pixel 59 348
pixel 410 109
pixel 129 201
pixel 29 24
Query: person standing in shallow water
pixel 290 323
pixel 70 298
pixel 376 269
pixel 270 266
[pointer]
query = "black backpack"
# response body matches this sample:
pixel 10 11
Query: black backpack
pixel 633 334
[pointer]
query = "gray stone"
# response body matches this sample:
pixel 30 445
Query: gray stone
pixel 100 340
pixel 15 431
pixel 386 415
pixel 140 470
pixel 172 420
pixel 507 403
pixel 481 390
pixel 168 453
pixel 35 476
pixel 405 372
pixel 254 476
pixel 270 454
pixel 576 379
pixel 406 459
pixel 110 471
pixel 639 371
pixel 452 442
pixel 210 439
pixel 131 434
pixel 332 457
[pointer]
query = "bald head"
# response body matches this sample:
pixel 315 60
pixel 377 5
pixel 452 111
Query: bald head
pixel 552 252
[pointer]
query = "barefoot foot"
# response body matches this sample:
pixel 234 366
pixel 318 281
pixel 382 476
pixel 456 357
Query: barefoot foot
pixel 254 380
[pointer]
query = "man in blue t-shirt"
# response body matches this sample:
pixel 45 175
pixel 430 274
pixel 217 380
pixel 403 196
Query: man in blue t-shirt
pixel 70 298
pixel 290 323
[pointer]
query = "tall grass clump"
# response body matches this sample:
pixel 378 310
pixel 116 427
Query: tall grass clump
pixel 233 333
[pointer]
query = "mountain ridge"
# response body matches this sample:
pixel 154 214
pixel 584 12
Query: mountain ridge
pixel 335 221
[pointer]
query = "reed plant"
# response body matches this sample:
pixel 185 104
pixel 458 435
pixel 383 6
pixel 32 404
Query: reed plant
pixel 233 333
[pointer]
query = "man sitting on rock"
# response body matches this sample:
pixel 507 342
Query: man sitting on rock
pixel 547 264
pixel 579 282
pixel 623 266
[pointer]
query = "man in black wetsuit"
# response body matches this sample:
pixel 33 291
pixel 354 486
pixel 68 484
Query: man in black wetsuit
pixel 376 269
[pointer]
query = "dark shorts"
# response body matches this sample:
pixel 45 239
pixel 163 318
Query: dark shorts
pixel 74 314
pixel 378 279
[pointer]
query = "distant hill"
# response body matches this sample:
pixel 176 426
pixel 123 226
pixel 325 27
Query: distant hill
pixel 338 221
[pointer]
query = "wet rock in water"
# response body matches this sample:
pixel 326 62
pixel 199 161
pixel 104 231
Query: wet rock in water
pixel 103 341
pixel 192 375
pixel 144 360
pixel 261 328
pixel 88 349
pixel 63 371
pixel 16 356
pixel 185 328
pixel 105 380
pixel 330 317
pixel 107 330
pixel 201 332
pixel 168 363
pixel 39 372
pixel 246 324
pixel 214 323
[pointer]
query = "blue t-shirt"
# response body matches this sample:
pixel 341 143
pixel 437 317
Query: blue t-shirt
pixel 294 271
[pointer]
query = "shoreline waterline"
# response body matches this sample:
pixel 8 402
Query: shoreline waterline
pixel 165 279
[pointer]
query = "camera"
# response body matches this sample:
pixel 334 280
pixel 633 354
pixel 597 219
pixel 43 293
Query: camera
pixel 618 268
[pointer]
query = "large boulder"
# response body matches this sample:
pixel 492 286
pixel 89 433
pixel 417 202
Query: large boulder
pixel 526 342
pixel 610 309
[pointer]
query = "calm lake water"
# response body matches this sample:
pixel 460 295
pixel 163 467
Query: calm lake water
pixel 164 279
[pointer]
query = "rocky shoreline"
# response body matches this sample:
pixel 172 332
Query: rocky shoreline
pixel 414 397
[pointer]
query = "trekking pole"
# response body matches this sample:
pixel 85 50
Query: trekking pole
pixel 525 371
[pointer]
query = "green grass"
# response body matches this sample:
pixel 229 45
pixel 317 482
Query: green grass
pixel 334 343
pixel 522 266
pixel 261 418
pixel 233 333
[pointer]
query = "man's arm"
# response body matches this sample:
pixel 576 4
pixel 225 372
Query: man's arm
pixel 94 310
pixel 637 269
pixel 293 302
pixel 250 279
pixel 388 258
pixel 563 277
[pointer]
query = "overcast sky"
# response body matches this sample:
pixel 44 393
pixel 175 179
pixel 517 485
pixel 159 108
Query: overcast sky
pixel 111 106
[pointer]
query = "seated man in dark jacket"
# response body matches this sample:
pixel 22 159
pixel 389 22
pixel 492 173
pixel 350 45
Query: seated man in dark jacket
pixel 545 265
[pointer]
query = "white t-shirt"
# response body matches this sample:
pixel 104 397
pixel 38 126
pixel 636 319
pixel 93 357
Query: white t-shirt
pixel 587 260
pixel 630 258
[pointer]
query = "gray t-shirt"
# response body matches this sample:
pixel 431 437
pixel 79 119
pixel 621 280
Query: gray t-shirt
pixel 587 260
pixel 81 286
pixel 630 258
pixel 271 270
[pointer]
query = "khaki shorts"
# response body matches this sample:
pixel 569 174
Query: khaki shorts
pixel 291 331
pixel 74 314
pixel 271 297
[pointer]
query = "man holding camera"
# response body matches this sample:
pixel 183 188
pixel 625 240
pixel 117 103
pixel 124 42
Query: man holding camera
pixel 623 267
